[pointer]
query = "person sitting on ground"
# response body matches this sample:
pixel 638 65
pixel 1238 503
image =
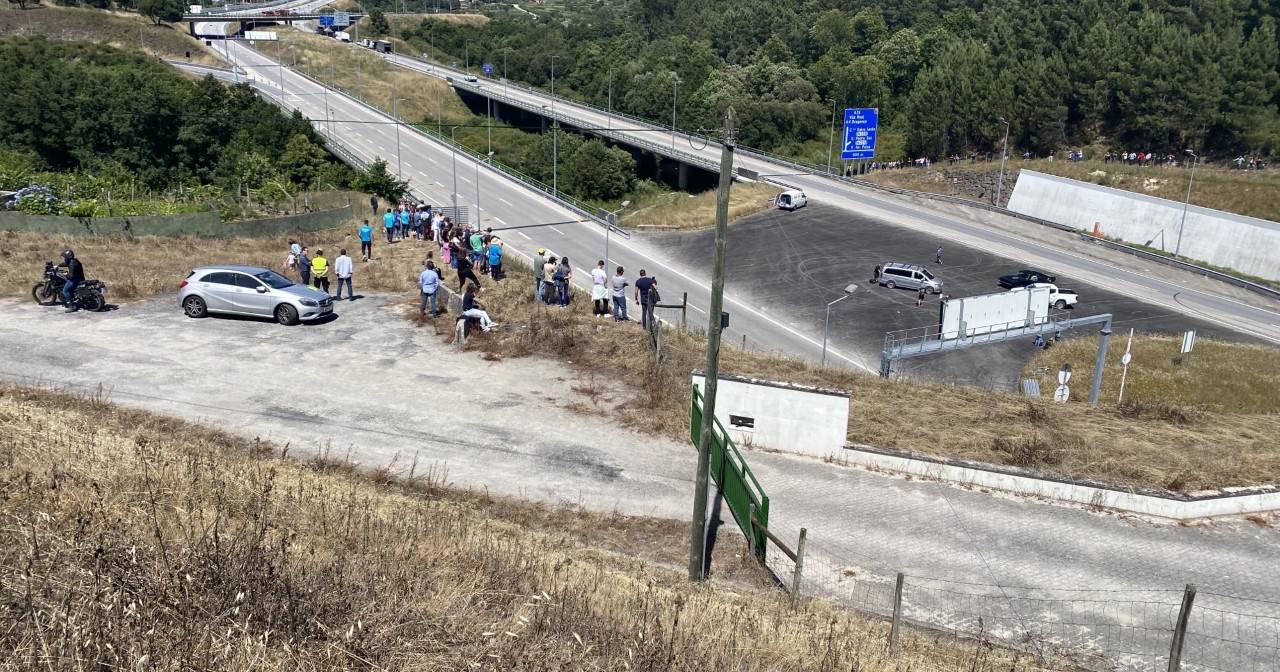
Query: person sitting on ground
pixel 472 309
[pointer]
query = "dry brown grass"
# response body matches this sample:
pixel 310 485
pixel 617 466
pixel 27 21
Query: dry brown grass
pixel 118 29
pixel 140 542
pixel 363 73
pixel 1133 445
pixel 693 211
pixel 1252 193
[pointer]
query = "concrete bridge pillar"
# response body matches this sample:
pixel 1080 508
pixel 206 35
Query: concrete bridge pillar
pixel 682 176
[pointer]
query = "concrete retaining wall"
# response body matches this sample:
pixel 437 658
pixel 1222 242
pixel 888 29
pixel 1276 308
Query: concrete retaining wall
pixel 205 224
pixel 781 416
pixel 1245 244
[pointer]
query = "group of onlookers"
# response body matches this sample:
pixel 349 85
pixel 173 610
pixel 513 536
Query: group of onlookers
pixel 315 269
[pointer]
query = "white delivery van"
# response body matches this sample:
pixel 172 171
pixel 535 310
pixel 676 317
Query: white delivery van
pixel 792 199
pixel 341 36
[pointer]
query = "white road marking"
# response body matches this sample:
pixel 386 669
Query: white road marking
pixel 523 235
pixel 698 309
pixel 556 230
pixel 505 201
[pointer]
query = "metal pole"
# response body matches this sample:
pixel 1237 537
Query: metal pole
pixel 454 145
pixel 1104 338
pixel 478 193
pixel 328 115
pixel 827 324
pixel 831 140
pixel 698 528
pixel 395 103
pixel 506 82
pixel 280 62
pixel 1124 372
pixel 488 107
pixel 1186 203
pixel 555 126
pixel 675 84
pixel 1180 630
pixel 609 111
pixel 1003 154
pixel 467 52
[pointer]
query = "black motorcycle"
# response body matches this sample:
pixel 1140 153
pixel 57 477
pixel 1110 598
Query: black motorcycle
pixel 90 295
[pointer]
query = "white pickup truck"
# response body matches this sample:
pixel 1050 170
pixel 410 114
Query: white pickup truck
pixel 1058 298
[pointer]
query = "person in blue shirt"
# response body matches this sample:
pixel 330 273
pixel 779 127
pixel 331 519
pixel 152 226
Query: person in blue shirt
pixel 429 282
pixel 404 222
pixel 366 241
pixel 389 221
pixel 495 258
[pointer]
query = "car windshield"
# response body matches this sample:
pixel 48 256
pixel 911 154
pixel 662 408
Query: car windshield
pixel 927 274
pixel 273 280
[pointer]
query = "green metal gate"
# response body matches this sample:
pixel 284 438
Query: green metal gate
pixel 738 486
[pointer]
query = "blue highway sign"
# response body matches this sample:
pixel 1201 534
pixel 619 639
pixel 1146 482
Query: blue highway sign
pixel 326 20
pixel 859 133
pixel 488 68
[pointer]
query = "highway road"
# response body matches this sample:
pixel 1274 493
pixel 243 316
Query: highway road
pixel 503 202
pixel 1253 320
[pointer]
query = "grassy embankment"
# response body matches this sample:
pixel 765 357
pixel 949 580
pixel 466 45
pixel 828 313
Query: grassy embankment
pixel 142 542
pixel 126 30
pixel 1211 425
pixel 434 104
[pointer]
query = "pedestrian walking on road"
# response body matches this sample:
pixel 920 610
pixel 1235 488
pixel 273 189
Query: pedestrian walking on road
pixel 618 292
pixel 304 266
pixel 920 297
pixel 366 241
pixel 429 284
pixel 599 290
pixel 938 256
pixel 875 275
pixel 342 270
pixel 539 272
pixel 389 222
pixel 320 271
pixel 644 287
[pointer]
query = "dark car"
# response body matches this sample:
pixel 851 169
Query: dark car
pixel 1025 277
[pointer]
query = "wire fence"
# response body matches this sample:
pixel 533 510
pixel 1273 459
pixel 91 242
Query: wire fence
pixel 1093 629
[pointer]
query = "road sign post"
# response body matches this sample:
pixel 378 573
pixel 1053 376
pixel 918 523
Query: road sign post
pixel 859 137
pixel 341 19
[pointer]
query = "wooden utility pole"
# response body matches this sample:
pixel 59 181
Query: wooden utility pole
pixel 698 530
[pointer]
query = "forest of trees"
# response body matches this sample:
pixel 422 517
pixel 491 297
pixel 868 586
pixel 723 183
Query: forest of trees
pixel 1153 75
pixel 113 119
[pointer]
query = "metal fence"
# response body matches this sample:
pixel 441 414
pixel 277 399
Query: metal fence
pixel 1092 629
pixel 738 485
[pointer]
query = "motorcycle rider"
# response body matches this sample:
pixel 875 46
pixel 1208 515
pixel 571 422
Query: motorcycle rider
pixel 75 276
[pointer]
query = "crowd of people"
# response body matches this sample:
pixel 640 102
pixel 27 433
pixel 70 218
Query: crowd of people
pixel 469 252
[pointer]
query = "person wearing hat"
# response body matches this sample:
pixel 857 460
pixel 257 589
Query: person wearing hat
pixel 539 274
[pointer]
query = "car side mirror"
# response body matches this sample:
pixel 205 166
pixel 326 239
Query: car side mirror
pixel 262 289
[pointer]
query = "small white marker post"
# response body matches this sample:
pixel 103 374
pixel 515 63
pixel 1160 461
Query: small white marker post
pixel 1125 361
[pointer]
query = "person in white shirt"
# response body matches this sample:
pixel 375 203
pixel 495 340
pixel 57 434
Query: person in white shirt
pixel 342 268
pixel 599 290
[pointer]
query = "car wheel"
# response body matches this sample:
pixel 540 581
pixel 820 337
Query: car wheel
pixel 1060 304
pixel 194 306
pixel 43 295
pixel 890 284
pixel 286 315
pixel 929 290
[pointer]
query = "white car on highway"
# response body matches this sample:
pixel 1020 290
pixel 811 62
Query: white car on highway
pixel 1058 298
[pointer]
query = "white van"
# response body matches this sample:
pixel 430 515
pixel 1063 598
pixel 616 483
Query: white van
pixel 792 199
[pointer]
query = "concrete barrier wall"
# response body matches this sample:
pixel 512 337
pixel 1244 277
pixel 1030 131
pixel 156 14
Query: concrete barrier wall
pixel 205 224
pixel 783 416
pixel 1244 244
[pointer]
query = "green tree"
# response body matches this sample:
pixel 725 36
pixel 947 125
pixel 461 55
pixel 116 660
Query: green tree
pixel 377 22
pixel 161 10
pixel 901 57
pixel 301 162
pixel 831 29
pixel 378 180
pixel 597 172
pixel 868 28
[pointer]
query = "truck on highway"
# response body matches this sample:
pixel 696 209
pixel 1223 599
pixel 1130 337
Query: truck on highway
pixel 1058 298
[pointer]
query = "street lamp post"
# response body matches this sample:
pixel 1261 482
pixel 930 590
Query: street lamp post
pixel 555 136
pixel 826 325
pixel 453 142
pixel 467 54
pixel 1195 159
pixel 395 113
pixel 280 62
pixel 1004 153
pixel 675 83
pixel 609 116
pixel 611 220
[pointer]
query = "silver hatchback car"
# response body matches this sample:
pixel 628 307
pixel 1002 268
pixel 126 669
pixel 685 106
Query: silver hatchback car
pixel 251 290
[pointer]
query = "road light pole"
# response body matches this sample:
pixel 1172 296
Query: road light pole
pixel 831 140
pixel 826 325
pixel 488 114
pixel 395 114
pixel 280 63
pixel 610 221
pixel 609 116
pixel 453 142
pixel 555 135
pixel 1195 159
pixel 1004 153
pixel 675 83
pixel 467 59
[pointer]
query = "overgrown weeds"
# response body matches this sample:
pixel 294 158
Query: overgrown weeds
pixel 141 542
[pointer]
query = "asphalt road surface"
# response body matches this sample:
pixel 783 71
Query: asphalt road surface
pixel 793 263
pixel 928 217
